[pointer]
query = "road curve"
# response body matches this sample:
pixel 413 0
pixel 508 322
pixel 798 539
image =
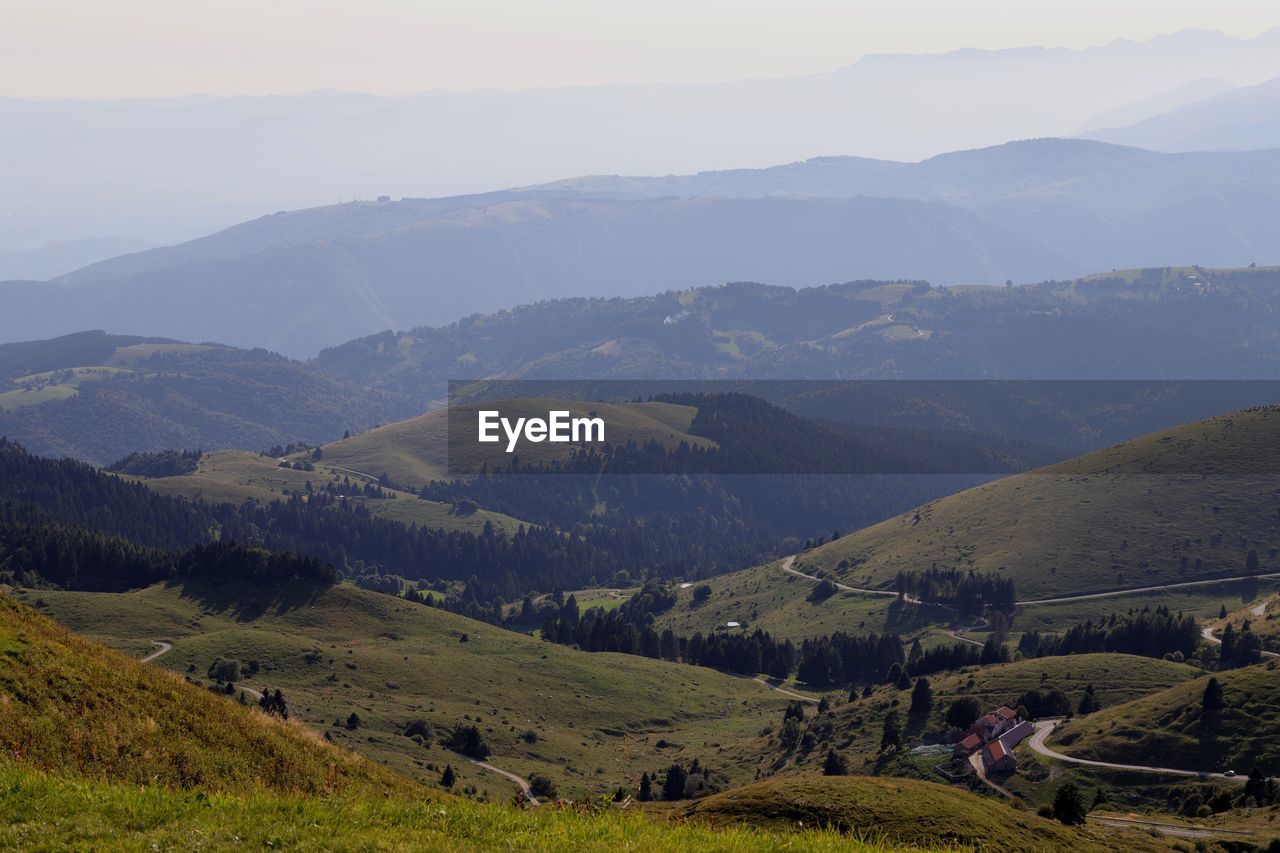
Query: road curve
pixel 161 648
pixel 1044 727
pixel 524 784
pixel 784 691
pixel 1207 633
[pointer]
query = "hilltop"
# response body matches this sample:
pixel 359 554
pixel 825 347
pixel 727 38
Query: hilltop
pixel 1173 725
pixel 1177 505
pixel 906 811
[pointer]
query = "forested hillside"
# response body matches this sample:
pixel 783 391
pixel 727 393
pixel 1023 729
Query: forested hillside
pixel 99 397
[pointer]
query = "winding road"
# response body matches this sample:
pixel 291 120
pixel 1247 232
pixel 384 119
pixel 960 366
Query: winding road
pixel 1045 727
pixel 161 648
pixel 524 784
pixel 1207 633
pixel 789 562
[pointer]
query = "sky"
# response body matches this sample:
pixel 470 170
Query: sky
pixel 139 48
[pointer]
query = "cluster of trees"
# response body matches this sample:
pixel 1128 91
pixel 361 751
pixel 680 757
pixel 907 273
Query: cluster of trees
pixel 838 658
pixel 967 591
pixel 165 463
pixel 1148 632
pixel 1239 648
pixel 682 782
pixel 841 658
pixel 615 631
pixel 38 551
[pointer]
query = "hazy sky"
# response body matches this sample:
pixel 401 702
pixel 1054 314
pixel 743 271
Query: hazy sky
pixel 91 48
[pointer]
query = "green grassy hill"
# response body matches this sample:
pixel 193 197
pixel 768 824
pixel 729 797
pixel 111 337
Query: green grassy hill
pixel 101 752
pixel 236 475
pixel 589 721
pixel 1177 505
pixel 415 451
pixel 1171 729
pixel 1261 613
pixel 907 811
pixel 854 728
pixel 766 597
pixel 74 708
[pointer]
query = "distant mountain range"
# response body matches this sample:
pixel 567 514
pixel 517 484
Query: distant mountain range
pixel 169 169
pixel 1027 211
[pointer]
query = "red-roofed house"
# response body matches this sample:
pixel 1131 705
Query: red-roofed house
pixel 968 745
pixel 996 758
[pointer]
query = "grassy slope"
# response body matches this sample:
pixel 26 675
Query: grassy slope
pixel 102 752
pixel 1262 613
pixel 904 810
pixel 236 475
pixel 1170 727
pixel 599 717
pixel 72 707
pixel 39 812
pixel 1116 679
pixel 415 451
pixel 1112 519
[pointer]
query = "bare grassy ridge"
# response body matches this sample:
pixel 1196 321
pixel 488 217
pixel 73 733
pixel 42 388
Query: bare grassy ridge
pixel 1169 728
pixel 43 812
pixel 600 720
pixel 907 811
pixel 1120 518
pixel 416 451
pixel 75 708
pixel 234 476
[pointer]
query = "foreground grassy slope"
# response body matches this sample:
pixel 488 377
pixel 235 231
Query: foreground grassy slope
pixel 1176 505
pixel 1171 726
pixel 42 812
pixel 416 451
pixel 903 810
pixel 591 722
pixel 234 476
pixel 75 708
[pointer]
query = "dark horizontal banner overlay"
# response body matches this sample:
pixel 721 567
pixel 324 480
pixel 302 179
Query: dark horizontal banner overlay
pixel 826 427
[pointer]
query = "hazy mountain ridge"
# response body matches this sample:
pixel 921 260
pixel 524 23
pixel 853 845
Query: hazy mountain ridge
pixel 298 282
pixel 1026 211
pixel 1234 120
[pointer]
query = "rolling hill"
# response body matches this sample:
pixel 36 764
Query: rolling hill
pixel 74 708
pixel 234 476
pixel 1178 505
pixel 102 751
pixel 1171 724
pixel 98 397
pixel 591 722
pixel 416 451
pixel 905 810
